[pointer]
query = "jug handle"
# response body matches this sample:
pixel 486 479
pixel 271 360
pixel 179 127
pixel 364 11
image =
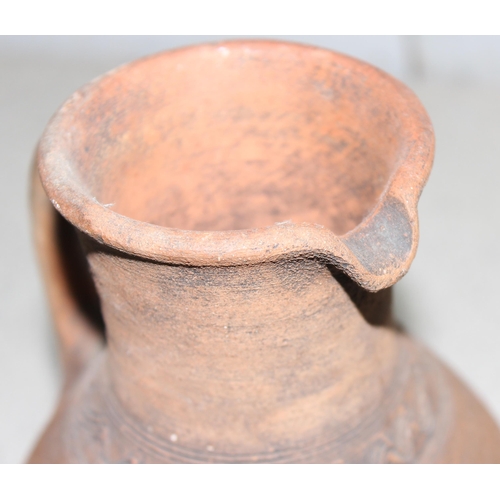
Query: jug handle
pixel 76 315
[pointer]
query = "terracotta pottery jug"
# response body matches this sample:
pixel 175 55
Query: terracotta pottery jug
pixel 228 222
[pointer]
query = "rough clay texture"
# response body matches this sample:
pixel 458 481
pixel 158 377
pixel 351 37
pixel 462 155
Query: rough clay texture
pixel 233 217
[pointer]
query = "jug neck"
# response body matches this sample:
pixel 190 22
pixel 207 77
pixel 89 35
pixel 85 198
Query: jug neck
pixel 236 355
pixel 241 352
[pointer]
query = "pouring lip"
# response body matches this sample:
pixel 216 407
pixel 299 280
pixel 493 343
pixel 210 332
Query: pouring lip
pixel 354 252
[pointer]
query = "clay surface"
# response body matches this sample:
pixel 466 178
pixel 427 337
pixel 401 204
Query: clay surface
pixel 228 222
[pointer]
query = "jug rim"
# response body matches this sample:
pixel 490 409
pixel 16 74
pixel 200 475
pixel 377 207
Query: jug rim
pixel 376 253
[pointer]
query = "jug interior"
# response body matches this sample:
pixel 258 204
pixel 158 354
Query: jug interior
pixel 237 137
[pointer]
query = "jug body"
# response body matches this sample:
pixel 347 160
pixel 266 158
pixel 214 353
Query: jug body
pixel 219 228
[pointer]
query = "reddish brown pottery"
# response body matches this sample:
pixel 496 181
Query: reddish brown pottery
pixel 244 210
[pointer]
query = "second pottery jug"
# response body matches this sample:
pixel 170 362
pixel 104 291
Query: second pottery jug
pixel 228 222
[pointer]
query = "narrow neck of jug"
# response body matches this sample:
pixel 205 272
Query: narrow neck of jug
pixel 237 355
